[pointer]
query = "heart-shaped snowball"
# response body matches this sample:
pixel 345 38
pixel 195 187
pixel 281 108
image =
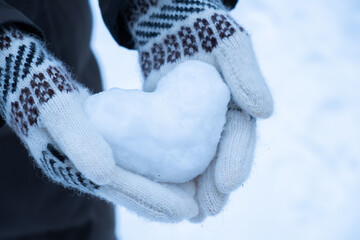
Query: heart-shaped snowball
pixel 171 134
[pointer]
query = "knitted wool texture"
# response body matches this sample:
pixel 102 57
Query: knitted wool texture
pixel 42 103
pixel 169 32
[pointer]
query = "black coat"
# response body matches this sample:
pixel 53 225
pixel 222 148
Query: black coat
pixel 29 203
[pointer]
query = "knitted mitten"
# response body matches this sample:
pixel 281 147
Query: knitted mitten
pixel 42 103
pixel 168 32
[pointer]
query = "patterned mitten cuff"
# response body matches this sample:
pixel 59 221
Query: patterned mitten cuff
pixel 168 32
pixel 42 103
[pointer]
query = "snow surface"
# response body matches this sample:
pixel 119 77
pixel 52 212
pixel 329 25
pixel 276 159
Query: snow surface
pixel 171 134
pixel 305 182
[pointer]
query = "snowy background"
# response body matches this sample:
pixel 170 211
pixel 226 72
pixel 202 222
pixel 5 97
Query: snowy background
pixel 305 182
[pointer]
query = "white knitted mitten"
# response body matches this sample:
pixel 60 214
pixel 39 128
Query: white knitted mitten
pixel 168 32
pixel 42 103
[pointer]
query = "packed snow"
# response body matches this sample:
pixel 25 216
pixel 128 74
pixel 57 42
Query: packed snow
pixel 171 134
pixel 305 181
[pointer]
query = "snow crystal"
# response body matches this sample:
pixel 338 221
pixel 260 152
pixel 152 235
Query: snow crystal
pixel 171 134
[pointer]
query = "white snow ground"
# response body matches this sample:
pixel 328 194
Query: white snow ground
pixel 305 182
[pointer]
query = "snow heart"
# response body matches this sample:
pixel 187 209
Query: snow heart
pixel 171 134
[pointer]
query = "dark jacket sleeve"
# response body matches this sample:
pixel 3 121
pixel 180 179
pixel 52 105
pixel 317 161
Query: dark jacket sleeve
pixel 113 13
pixel 11 16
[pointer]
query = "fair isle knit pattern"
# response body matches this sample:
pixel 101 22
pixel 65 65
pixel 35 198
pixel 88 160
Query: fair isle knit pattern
pixel 148 18
pixel 21 92
pixel 172 31
pixel 29 78
pixel 58 167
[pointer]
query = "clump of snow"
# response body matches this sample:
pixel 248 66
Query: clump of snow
pixel 171 134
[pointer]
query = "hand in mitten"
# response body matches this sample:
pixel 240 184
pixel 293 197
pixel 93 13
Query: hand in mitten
pixel 169 32
pixel 42 103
